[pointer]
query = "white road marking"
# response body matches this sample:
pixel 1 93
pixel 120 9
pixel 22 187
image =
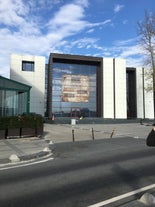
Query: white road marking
pixel 114 199
pixel 26 164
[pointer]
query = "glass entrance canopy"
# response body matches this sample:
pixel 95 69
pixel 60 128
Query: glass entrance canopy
pixel 14 97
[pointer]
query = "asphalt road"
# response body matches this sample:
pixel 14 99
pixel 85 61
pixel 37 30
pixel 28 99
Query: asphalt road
pixel 81 174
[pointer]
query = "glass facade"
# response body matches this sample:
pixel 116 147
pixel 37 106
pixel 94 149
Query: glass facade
pixel 14 97
pixel 74 90
pixel 12 103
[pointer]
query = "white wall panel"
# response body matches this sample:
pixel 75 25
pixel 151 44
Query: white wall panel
pixel 108 93
pixel 139 91
pixel 144 98
pixel 120 89
pixel 149 111
pixel 35 79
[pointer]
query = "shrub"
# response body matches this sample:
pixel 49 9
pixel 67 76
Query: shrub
pixel 25 121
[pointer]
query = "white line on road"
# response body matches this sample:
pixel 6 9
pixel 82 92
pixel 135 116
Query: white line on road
pixel 114 199
pixel 27 164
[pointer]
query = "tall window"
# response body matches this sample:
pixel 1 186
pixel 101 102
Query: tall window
pixel 27 66
pixel 74 90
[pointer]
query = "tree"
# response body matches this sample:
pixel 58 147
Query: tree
pixel 146 32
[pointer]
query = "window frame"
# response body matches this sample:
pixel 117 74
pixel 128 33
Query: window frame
pixel 28 66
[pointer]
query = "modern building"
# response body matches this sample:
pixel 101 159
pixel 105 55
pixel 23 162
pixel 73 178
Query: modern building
pixel 31 71
pixel 91 86
pixel 14 97
pixel 75 85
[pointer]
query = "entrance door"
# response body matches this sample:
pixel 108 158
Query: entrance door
pixel 75 112
pixel 131 93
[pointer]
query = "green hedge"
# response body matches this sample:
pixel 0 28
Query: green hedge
pixel 25 121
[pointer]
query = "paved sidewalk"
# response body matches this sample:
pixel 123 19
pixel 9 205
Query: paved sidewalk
pixel 33 147
pixel 15 150
pixel 64 132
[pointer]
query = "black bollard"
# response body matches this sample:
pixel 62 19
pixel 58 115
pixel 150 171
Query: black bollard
pixel 93 134
pixel 112 133
pixel 73 135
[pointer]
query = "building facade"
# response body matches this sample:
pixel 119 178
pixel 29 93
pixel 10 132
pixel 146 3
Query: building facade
pixel 145 99
pixel 87 86
pixel 75 85
pixel 31 71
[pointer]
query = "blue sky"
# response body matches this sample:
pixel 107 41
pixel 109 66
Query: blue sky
pixel 103 28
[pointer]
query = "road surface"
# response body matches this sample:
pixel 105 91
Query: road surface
pixel 81 174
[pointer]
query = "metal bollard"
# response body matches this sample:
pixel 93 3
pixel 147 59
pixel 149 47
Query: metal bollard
pixel 112 133
pixel 73 135
pixel 93 134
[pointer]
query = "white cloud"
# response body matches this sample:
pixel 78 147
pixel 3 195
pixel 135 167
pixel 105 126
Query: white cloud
pixel 98 23
pixel 90 30
pixel 83 3
pixel 126 42
pixel 69 20
pixel 12 12
pixel 84 42
pixel 118 7
pixel 127 47
pixel 70 13
pixel 134 62
pixel 66 22
pixel 23 30
pixel 129 50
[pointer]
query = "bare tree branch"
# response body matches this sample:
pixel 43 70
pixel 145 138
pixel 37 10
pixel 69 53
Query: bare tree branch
pixel 146 33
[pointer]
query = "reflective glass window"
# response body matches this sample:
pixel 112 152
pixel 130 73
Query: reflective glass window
pixel 74 89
